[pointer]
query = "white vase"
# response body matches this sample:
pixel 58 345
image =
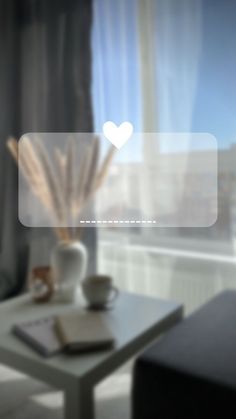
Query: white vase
pixel 69 264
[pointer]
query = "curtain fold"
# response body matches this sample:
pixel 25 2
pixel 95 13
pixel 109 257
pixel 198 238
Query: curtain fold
pixel 178 42
pixel 116 83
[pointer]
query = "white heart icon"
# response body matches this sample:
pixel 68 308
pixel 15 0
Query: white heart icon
pixel 118 136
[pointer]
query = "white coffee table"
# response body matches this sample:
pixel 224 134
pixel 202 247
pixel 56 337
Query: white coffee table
pixel 135 320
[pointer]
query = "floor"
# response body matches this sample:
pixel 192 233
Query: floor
pixel 25 398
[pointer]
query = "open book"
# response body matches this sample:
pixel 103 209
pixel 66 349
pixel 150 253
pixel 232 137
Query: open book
pixel 83 332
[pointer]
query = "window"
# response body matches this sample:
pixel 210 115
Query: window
pixel 165 66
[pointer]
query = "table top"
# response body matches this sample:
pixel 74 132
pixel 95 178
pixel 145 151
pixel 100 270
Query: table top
pixel 135 321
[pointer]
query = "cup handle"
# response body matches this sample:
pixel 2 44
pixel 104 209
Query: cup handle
pixel 114 294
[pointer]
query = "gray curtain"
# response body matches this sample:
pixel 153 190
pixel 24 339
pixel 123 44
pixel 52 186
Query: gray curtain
pixel 45 80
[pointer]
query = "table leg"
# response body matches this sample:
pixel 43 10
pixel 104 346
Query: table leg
pixel 78 402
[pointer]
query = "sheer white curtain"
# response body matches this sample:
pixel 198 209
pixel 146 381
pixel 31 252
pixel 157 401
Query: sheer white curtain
pixel 178 37
pixel 170 37
pixel 145 70
pixel 116 97
pixel 116 82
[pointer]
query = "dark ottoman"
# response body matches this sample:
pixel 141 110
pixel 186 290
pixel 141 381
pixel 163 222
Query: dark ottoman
pixel 191 372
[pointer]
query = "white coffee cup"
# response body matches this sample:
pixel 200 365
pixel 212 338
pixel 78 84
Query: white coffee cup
pixel 99 291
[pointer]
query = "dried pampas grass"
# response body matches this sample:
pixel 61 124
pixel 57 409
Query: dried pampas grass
pixel 105 167
pixel 63 188
pixel 51 181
